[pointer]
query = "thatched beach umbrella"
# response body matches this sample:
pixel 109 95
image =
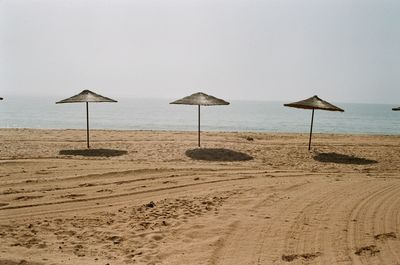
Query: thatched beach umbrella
pixel 313 103
pixel 86 96
pixel 200 99
pixel 396 109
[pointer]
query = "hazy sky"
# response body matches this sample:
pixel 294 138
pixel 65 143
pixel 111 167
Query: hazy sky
pixel 341 50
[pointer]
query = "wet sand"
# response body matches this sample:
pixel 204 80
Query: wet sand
pixel 152 197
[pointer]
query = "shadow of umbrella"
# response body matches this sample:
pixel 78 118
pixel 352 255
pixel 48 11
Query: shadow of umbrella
pixel 217 154
pixel 94 152
pixel 343 159
pixel 396 109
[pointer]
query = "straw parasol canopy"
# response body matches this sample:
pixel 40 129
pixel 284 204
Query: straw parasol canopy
pixel 200 99
pixel 313 103
pixel 86 96
pixel 396 109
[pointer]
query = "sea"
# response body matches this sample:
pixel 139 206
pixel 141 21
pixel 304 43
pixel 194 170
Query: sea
pixel 158 114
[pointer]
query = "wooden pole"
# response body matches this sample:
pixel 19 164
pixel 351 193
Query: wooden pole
pixel 87 124
pixel 199 127
pixel 312 121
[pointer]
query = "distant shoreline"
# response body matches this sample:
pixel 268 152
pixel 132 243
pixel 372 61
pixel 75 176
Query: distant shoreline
pixel 203 131
pixel 159 115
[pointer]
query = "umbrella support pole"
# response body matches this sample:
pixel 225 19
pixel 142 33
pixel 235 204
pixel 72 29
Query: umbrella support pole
pixel 87 124
pixel 312 122
pixel 199 128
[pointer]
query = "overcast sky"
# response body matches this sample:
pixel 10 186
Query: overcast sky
pixel 341 50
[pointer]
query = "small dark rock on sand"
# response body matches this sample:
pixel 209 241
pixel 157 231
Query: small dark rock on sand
pixel 151 205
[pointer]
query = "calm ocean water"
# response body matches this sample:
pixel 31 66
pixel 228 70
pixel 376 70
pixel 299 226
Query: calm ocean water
pixel 157 114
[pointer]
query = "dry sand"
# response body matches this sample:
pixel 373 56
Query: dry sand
pixel 149 197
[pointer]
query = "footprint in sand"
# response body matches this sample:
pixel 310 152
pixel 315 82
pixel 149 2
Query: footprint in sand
pixel 157 237
pixel 26 198
pixel 370 250
pixel 72 196
pixel 116 239
pixel 305 256
pixel 384 236
pixel 86 185
pixel 105 190
pixel 21 262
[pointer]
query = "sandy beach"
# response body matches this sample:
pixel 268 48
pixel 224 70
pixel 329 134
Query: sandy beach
pixel 152 197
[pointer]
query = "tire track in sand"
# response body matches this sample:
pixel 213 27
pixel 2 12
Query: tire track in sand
pixel 374 211
pixel 386 231
pixel 319 233
pixel 56 205
pixel 314 225
pixel 249 238
pixel 317 221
